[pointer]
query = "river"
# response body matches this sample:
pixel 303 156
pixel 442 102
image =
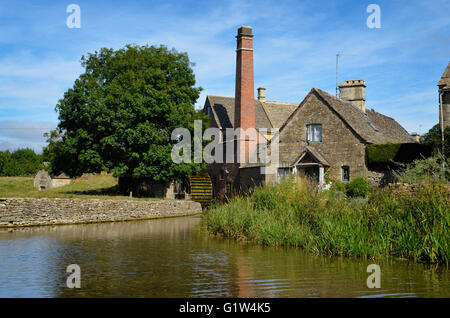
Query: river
pixel 172 258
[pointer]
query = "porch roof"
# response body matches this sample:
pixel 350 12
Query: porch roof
pixel 316 156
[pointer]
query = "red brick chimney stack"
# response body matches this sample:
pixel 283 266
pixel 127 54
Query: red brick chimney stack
pixel 244 114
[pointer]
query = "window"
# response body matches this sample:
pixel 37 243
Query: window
pixel 208 110
pixel 283 173
pixel 345 173
pixel 228 188
pixel 314 133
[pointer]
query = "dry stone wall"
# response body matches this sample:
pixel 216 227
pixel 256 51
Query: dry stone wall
pixel 49 211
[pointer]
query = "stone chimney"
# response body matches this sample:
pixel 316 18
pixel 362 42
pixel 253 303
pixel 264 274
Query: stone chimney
pixel 261 94
pixel 354 91
pixel 416 137
pixel 244 113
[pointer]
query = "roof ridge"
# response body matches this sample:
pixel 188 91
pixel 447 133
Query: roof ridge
pixel 266 101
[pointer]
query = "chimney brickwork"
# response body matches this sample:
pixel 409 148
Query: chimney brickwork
pixel 244 116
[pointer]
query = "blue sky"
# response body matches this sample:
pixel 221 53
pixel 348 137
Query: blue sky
pixel 295 47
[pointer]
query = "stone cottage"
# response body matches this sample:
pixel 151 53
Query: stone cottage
pixel 321 135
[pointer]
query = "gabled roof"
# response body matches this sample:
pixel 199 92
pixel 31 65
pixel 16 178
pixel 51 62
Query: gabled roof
pixel 445 79
pixel 371 127
pixel 317 157
pixel 267 114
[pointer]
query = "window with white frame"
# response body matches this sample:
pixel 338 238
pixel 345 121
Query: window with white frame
pixel 314 133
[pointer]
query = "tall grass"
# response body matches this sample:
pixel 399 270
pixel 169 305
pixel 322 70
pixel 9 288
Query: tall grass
pixel 295 213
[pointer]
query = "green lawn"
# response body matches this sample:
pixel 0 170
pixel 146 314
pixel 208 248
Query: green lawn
pixel 97 187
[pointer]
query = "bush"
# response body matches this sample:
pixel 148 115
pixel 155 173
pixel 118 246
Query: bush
pixel 339 186
pixel 389 154
pixel 358 187
pixel 430 170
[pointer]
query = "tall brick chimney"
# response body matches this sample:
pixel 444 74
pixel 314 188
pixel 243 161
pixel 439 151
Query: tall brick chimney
pixel 244 112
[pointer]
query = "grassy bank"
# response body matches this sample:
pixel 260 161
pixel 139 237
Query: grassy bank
pixel 295 213
pixel 96 187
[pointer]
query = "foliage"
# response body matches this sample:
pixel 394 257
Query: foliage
pixel 390 153
pixel 433 139
pixel 294 213
pixel 339 186
pixel 358 187
pixel 20 162
pixel 120 113
pixel 434 169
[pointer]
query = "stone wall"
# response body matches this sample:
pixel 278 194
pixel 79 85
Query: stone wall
pixel 412 188
pixel 49 211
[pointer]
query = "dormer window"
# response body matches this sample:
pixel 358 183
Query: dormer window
pixel 314 133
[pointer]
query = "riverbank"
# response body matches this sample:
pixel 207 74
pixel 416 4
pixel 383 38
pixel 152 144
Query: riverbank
pixel 21 212
pixel 294 213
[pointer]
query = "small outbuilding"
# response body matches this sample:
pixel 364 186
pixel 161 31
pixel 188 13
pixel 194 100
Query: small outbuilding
pixel 42 180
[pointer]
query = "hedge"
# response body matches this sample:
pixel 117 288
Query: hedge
pixel 389 153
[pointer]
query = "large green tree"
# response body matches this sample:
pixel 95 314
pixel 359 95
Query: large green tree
pixel 120 113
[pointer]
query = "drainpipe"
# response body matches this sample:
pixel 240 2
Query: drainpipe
pixel 442 125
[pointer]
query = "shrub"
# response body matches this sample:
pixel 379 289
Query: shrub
pixel 339 186
pixel 358 187
pixel 430 170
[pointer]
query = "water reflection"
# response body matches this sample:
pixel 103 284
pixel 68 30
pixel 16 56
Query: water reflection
pixel 170 258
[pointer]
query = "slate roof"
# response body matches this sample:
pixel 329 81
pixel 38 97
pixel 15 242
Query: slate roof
pixel 445 79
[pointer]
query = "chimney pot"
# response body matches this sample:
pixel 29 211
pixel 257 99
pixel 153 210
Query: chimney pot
pixel 245 30
pixel 262 94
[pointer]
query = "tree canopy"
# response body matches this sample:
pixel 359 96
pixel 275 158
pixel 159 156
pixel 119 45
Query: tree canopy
pixel 120 113
pixel 433 138
pixel 21 162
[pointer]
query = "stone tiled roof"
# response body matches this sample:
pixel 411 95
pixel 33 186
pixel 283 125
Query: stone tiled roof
pixel 371 126
pixel 278 112
pixel 267 114
pixel 62 175
pixel 445 79
pixel 316 155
